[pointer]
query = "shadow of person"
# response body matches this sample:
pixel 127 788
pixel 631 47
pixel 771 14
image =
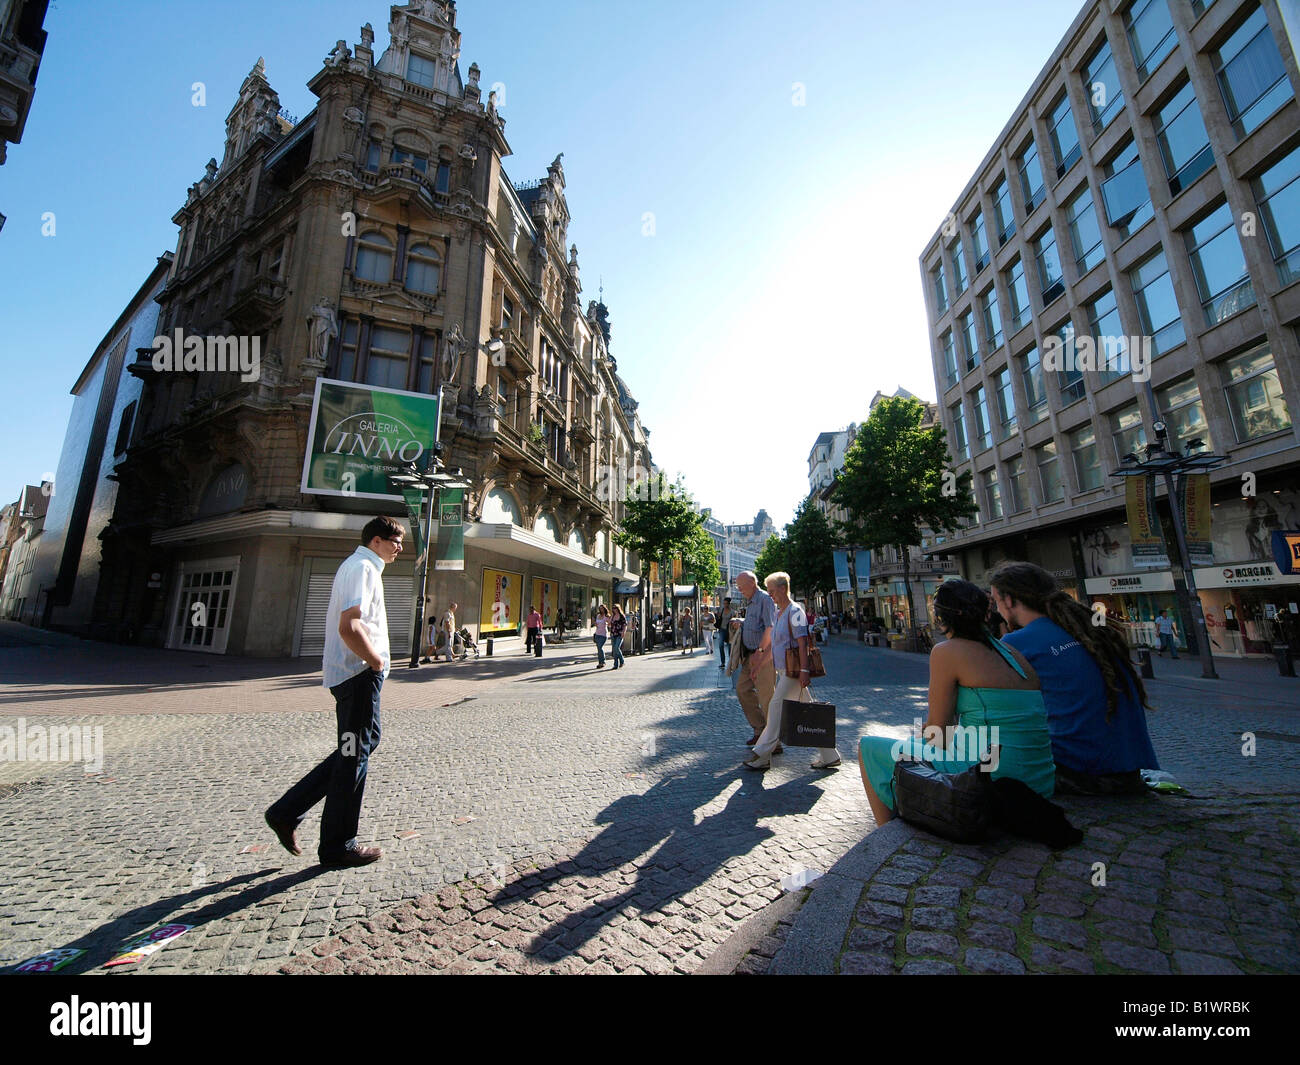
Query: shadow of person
pixel 107 940
pixel 687 850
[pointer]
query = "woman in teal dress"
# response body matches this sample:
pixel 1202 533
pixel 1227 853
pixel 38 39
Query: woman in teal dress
pixel 981 685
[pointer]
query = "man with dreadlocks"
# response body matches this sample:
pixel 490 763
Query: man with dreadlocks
pixel 1095 698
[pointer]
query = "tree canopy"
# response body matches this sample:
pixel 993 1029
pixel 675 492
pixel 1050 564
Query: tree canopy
pixel 897 479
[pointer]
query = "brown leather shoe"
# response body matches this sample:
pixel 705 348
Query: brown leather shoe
pixel 285 833
pixel 357 856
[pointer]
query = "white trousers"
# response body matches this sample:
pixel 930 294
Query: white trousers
pixel 708 640
pixel 786 688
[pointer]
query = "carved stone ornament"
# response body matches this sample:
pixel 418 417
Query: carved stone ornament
pixel 353 116
pixel 322 325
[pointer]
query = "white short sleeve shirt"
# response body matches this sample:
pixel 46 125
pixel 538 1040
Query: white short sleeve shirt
pixel 784 635
pixel 358 582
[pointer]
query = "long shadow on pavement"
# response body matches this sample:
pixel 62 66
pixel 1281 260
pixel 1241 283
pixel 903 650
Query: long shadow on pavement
pixel 107 940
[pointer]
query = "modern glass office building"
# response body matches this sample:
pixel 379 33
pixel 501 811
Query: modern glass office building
pixel 1128 253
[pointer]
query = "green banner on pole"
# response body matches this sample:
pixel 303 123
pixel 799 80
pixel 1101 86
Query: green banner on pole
pixel 451 530
pixel 414 508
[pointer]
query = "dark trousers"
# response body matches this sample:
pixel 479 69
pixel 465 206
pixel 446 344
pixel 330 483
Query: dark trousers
pixel 341 778
pixel 533 634
pixel 722 647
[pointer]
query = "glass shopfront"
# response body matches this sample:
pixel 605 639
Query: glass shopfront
pixel 1249 608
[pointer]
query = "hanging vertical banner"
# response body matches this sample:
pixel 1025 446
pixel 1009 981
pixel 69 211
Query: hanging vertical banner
pixel 842 583
pixel 451 530
pixel 1148 540
pixel 862 563
pixel 1194 502
pixel 414 508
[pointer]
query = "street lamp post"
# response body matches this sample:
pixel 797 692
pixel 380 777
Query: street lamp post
pixel 434 476
pixel 1173 468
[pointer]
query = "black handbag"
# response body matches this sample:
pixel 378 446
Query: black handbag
pixel 956 806
pixel 808 724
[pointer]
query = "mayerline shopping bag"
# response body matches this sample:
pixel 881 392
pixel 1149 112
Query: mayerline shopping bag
pixel 808 724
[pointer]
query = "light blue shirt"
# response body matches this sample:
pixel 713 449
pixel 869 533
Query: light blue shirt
pixel 787 635
pixel 760 613
pixel 358 582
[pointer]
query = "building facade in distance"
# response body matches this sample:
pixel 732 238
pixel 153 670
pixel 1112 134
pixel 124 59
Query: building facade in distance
pixel 376 243
pixel 1127 254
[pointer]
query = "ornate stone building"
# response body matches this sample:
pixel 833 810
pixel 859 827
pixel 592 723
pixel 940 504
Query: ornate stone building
pixel 378 240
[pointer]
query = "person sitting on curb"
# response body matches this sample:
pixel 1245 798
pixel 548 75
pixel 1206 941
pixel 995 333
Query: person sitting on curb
pixel 1095 698
pixel 976 682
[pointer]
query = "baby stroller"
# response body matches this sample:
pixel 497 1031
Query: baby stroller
pixel 467 643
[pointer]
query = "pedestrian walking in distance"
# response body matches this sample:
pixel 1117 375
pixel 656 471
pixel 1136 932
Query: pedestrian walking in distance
pixel 617 626
pixel 355 663
pixel 707 622
pixel 686 631
pixel 534 625
pixel 1166 630
pixel 602 631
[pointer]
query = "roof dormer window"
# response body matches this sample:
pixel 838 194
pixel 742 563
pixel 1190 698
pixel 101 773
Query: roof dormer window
pixel 420 70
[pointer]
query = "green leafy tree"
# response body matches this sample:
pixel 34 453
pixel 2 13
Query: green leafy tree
pixel 774 557
pixel 898 480
pixel 700 561
pixel 659 523
pixel 809 545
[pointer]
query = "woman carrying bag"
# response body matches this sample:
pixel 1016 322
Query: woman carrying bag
pixel 790 631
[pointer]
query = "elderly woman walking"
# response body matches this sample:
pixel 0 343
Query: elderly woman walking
pixel 789 631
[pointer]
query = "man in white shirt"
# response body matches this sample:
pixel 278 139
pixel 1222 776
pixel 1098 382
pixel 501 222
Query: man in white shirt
pixel 1166 630
pixel 354 666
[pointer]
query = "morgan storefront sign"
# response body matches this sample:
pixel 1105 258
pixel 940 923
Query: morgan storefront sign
pixel 1129 582
pixel 1246 575
pixel 360 435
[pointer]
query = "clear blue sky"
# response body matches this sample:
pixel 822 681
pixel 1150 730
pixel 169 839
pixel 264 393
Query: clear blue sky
pixel 781 284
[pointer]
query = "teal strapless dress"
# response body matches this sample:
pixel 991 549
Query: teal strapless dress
pixel 1020 718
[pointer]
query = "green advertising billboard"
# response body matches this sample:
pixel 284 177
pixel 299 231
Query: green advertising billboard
pixel 361 434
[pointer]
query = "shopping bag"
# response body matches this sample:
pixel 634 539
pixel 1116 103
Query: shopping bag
pixel 808 724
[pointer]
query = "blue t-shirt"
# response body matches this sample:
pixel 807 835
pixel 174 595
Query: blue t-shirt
pixel 1075 693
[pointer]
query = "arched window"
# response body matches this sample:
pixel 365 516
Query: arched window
pixel 374 257
pixel 577 541
pixel 422 269
pixel 600 546
pixel 500 508
pixel 545 526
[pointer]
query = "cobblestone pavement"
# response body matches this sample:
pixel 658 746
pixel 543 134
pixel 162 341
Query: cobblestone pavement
pixel 558 819
pixel 1159 885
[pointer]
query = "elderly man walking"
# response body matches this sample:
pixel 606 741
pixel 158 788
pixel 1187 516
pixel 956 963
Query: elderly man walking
pixel 756 676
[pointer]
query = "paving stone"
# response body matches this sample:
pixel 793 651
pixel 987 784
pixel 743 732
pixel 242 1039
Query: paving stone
pixel 932 943
pixel 990 935
pixel 925 967
pixel 1190 963
pixel 1060 930
pixel 984 960
pixel 947 897
pixel 1044 956
pixel 1134 959
pixel 860 963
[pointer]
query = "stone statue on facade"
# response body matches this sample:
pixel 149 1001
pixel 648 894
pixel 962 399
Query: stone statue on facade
pixel 322 326
pixel 341 54
pixel 454 347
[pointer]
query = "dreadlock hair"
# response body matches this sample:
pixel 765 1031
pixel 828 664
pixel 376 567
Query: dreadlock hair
pixel 1035 588
pixel 962 608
